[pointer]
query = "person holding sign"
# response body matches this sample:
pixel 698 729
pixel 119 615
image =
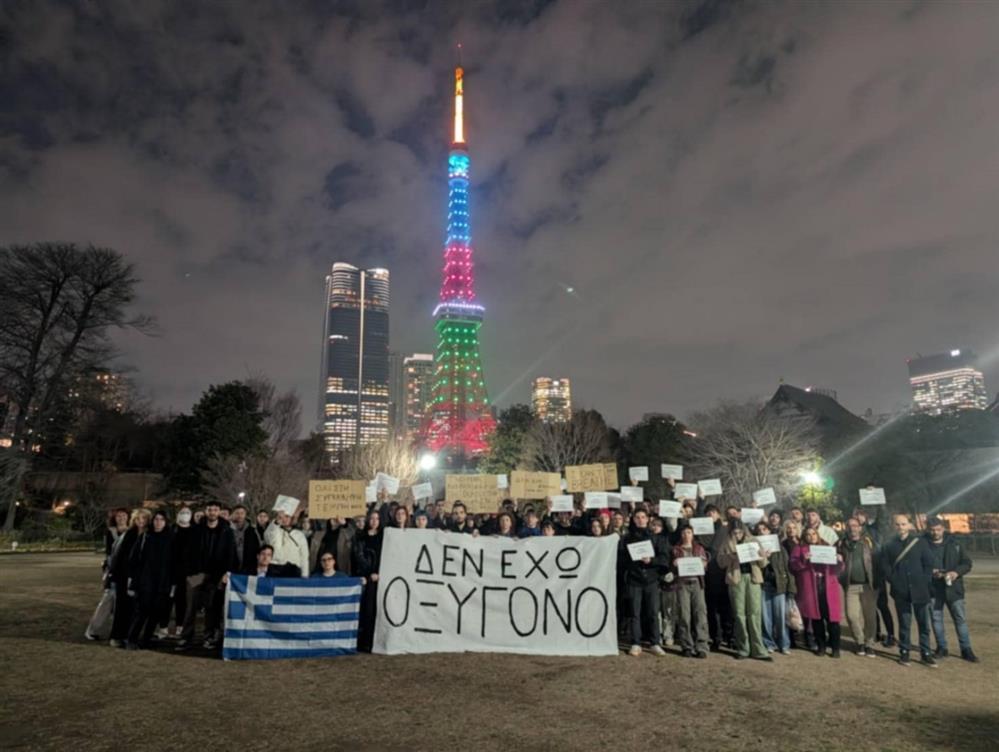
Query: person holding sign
pixel 778 587
pixel 691 608
pixel 744 578
pixel 818 598
pixel 291 549
pixel 641 580
pixel 367 561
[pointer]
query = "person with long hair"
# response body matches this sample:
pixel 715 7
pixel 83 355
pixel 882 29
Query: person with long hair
pixel 150 578
pixel 505 525
pixel 401 517
pixel 99 627
pixel 819 596
pixel 778 587
pixel 692 609
pixel 744 580
pixel 119 570
pixel 367 561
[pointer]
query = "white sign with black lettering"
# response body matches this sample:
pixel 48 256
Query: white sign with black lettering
pixel 387 483
pixel 711 487
pixel 702 525
pixel 562 503
pixel 685 490
pixel 770 542
pixel 690 566
pixel 670 508
pixel 595 500
pixel 631 493
pixel 671 471
pixel 750 515
pixel 822 554
pixel 641 550
pixel 440 592
pixel 872 496
pixel 764 496
pixel 638 474
pixel 748 552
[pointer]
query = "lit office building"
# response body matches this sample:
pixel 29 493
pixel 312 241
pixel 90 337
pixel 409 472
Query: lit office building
pixel 946 382
pixel 418 370
pixel 552 400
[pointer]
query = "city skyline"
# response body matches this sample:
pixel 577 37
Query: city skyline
pixel 701 203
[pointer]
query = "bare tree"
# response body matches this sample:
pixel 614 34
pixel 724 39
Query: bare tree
pixel 396 457
pixel 750 448
pixel 552 446
pixel 58 304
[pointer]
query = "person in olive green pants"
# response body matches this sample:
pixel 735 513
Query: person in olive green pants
pixel 744 580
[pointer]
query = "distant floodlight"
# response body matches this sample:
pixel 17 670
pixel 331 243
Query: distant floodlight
pixel 954 353
pixel 811 478
pixel 428 462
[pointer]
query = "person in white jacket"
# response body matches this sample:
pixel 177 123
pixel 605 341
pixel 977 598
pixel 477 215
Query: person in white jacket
pixel 291 548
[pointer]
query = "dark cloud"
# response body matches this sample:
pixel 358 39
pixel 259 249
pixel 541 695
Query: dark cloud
pixel 737 192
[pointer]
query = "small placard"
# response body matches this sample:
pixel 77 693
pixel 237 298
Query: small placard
pixel 641 550
pixel 370 494
pixel 690 566
pixel 748 552
pixel 711 487
pixel 562 503
pixel 823 554
pixel 672 471
pixel 770 543
pixel 423 491
pixel 385 482
pixel 870 496
pixel 764 496
pixel 595 500
pixel 685 491
pixel 702 525
pixel 750 515
pixel 638 474
pixel 286 504
pixel 670 509
pixel 613 500
pixel 632 493
pixel 502 481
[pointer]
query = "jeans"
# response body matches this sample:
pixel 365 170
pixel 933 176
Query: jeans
pixel 960 624
pixel 644 603
pixel 775 633
pixel 747 617
pixel 905 609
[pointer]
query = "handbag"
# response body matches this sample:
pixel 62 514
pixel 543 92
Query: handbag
pixel 99 627
pixel 794 621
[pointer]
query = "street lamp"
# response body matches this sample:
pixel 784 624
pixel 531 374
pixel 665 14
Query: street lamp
pixel 428 462
pixel 811 478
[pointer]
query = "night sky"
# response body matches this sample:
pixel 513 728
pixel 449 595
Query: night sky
pixel 736 192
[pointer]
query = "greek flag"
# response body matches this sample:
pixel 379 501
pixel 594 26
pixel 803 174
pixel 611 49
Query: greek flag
pixel 271 617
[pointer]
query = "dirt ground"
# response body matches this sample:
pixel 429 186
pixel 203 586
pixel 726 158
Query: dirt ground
pixel 57 691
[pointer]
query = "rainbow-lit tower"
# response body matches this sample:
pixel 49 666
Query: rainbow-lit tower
pixel 459 417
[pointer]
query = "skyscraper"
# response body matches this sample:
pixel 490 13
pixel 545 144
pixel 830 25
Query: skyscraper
pixel 355 370
pixel 552 400
pixel 459 416
pixel 397 394
pixel 418 372
pixel 946 382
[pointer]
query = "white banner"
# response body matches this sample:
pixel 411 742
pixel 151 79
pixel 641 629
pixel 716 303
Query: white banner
pixel 440 592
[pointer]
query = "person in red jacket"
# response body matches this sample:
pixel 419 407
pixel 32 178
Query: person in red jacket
pixel 819 597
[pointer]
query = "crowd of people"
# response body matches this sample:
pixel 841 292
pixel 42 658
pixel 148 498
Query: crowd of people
pixel 160 576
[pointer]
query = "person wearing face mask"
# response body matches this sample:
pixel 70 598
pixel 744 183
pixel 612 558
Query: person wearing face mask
pixel 180 542
pixel 150 579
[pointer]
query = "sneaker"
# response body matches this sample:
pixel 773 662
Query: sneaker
pixel 209 644
pixel 703 654
pixel 635 650
pixel 785 651
pixel 88 636
pixel 160 634
pixel 929 661
pixel 941 653
pixel 869 652
pixel 116 644
pixel 903 659
pixel 668 642
pixel 969 656
pixel 688 653
pixel 657 650
pixel 861 651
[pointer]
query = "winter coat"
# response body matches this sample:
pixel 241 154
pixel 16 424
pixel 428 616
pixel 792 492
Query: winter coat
pixel 181 544
pixel 211 550
pixel 910 578
pixel 728 559
pixel 247 564
pixel 777 574
pixel 150 569
pixel 696 549
pixel 290 547
pixel 367 554
pixel 339 541
pixel 638 572
pixel 121 555
pixel 807 576
pixel 954 558
pixel 870 560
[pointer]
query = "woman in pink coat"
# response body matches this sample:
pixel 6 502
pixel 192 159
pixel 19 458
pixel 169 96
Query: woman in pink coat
pixel 819 597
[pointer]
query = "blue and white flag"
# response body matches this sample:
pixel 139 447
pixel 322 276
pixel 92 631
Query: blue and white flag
pixel 272 617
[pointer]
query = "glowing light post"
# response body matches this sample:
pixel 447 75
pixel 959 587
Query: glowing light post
pixel 459 417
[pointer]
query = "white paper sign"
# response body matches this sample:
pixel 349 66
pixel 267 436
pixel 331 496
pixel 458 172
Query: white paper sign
pixel 286 504
pixel 595 500
pixel 641 550
pixel 764 496
pixel 502 481
pixel 385 482
pixel 690 566
pixel 670 508
pixel 685 490
pixel 748 552
pixel 632 493
pixel 702 525
pixel 613 500
pixel 638 474
pixel 562 503
pixel 371 494
pixel 871 496
pixel 423 491
pixel 750 515
pixel 823 554
pixel 769 542
pixel 564 483
pixel 672 471
pixel 710 487
pixel 417 613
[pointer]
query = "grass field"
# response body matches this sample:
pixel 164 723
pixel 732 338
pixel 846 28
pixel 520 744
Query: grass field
pixel 58 691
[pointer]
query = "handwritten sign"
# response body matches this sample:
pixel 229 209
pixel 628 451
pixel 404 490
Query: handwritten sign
pixel 631 493
pixel 336 498
pixel 581 478
pixel 562 503
pixel 764 496
pixel 638 474
pixel 685 490
pixel 531 485
pixel 690 566
pixel 670 509
pixel 750 515
pixel 710 487
pixel 871 496
pixel 823 554
pixel 385 482
pixel 286 504
pixel 770 543
pixel 595 500
pixel 423 491
pixel 641 550
pixel 748 552
pixel 610 475
pixel 479 493
pixel 702 525
pixel 672 471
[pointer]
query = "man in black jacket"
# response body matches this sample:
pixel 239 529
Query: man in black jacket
pixel 908 567
pixel 210 557
pixel 641 579
pixel 950 563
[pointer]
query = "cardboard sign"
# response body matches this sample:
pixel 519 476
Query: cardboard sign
pixel 823 554
pixel 750 515
pixel 710 487
pixel 479 493
pixel 534 485
pixel 595 500
pixel 871 496
pixel 641 550
pixel 672 471
pixel 748 552
pixel 385 482
pixel 690 566
pixel 638 474
pixel 702 525
pixel 670 509
pixel 770 543
pixel 562 503
pixel 502 481
pixel 336 498
pixel 764 496
pixel 286 504
pixel 610 475
pixel 632 493
pixel 423 491
pixel 685 491
pixel 582 478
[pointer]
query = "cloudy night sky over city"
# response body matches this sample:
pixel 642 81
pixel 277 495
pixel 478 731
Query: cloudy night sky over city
pixel 671 203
